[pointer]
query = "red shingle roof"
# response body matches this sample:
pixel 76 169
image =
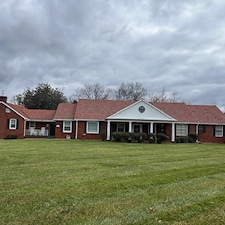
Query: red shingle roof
pixel 90 109
pixel 41 114
pixel 177 110
pixel 20 109
pixel 34 114
pixel 208 114
pixel 65 111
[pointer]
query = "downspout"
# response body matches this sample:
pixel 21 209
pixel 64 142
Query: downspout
pixel 24 133
pixel 76 135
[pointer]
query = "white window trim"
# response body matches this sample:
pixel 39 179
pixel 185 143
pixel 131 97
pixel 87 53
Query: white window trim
pixel 221 131
pixel 67 131
pixel 177 129
pixel 97 132
pixel 118 127
pixel 10 124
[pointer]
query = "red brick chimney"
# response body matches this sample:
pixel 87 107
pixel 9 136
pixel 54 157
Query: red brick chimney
pixel 3 99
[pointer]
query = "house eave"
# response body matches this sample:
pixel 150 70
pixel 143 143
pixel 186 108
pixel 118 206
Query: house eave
pixel 6 105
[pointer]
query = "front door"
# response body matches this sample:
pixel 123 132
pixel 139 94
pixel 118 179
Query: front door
pixel 137 128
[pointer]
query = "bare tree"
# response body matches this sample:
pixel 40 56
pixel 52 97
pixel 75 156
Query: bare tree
pixel 165 96
pixel 130 91
pixel 91 91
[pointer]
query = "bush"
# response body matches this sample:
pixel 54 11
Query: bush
pixel 139 137
pixel 151 138
pixel 118 136
pixel 193 137
pixel 11 137
pixel 160 137
pixel 129 137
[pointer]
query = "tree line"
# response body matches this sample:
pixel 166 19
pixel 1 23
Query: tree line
pixel 46 97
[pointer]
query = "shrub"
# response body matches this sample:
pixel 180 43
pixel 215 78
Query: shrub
pixel 128 137
pixel 193 137
pixel 139 137
pixel 151 138
pixel 160 137
pixel 118 136
pixel 11 137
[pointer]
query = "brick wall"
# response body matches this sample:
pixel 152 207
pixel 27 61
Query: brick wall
pixel 209 136
pixel 4 129
pixel 59 131
pixel 82 130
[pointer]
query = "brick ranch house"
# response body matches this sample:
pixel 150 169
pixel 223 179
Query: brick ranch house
pixel 90 118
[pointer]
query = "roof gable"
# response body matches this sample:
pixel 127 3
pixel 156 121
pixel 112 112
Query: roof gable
pixel 19 110
pixel 150 113
pixel 65 111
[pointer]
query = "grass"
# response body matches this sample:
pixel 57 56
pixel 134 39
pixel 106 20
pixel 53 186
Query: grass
pixel 108 183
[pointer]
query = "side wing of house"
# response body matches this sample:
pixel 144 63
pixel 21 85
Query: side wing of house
pixel 12 123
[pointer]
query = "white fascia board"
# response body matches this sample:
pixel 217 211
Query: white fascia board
pixel 192 123
pixel 141 121
pixel 64 120
pixel 101 120
pixel 40 120
pixel 6 105
pixel 111 117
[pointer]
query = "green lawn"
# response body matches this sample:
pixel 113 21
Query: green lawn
pixel 106 183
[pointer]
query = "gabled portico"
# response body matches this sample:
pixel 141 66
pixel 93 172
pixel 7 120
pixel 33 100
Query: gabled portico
pixel 138 115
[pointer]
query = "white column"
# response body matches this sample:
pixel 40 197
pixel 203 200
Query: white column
pixel 197 129
pixel 76 135
pixel 130 127
pixel 173 132
pixel 151 128
pixel 108 130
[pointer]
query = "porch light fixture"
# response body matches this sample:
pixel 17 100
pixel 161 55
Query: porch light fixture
pixel 141 109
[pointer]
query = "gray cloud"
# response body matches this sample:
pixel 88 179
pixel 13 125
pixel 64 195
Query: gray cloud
pixel 177 45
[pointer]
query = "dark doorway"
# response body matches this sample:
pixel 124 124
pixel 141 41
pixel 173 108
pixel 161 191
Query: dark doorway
pixel 52 129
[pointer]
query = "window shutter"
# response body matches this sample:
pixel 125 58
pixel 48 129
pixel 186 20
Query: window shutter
pixel 214 131
pixel 188 129
pixel 17 124
pixel 99 130
pixel 224 131
pixel 73 125
pixel 61 124
pixel 7 126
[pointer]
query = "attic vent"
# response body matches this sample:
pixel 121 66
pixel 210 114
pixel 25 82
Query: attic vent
pixel 7 110
pixel 141 109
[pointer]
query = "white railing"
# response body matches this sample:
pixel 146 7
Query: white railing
pixel 36 132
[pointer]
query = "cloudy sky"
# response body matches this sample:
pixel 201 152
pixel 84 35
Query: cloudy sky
pixel 172 44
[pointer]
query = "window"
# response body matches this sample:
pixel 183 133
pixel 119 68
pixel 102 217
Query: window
pixel 67 126
pixel 120 127
pixel 13 124
pixel 93 127
pixel 181 129
pixel 141 109
pixel 201 129
pixel 219 131
pixel 7 110
pixel 32 124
